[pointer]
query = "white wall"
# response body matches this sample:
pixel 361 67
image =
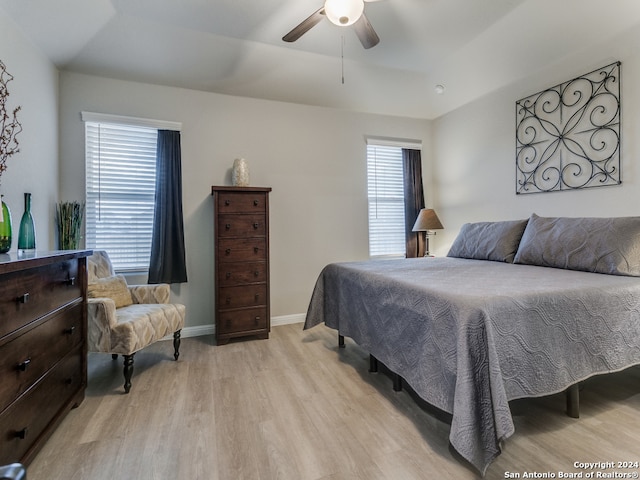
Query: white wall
pixel 35 168
pixel 313 158
pixel 474 151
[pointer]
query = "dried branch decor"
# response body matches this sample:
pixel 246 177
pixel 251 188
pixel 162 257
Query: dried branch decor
pixel 10 127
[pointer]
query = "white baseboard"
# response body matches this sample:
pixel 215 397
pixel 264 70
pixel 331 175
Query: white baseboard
pixel 288 319
pixel 200 330
pixel 197 331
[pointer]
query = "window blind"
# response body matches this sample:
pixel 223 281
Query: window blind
pixel 385 190
pixel 120 189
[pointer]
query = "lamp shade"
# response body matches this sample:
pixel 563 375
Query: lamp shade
pixel 343 12
pixel 427 220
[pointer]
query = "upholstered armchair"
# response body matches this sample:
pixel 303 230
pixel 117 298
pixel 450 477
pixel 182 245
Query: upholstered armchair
pixel 123 319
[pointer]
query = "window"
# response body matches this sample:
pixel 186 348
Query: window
pixel 120 190
pixel 386 196
pixel 120 155
pixel 385 190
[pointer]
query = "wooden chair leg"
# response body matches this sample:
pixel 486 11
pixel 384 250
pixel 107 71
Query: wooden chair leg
pixel 176 344
pixel 128 371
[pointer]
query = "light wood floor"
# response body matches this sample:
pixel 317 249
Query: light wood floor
pixel 297 407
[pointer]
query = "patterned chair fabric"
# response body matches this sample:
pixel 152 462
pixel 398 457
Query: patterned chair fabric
pixel 128 329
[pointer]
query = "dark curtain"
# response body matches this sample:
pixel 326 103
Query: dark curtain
pixel 167 264
pixel 413 200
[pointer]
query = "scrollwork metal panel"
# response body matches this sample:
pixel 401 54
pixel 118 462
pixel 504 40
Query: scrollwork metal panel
pixel 568 136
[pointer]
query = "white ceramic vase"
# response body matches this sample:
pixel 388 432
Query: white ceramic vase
pixel 240 173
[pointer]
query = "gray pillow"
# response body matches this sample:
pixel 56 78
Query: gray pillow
pixel 497 241
pixel 602 245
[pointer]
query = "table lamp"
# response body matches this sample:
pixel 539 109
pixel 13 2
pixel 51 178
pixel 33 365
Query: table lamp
pixel 427 220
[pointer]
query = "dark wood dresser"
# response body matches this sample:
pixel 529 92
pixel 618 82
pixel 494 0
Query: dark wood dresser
pixel 241 222
pixel 43 349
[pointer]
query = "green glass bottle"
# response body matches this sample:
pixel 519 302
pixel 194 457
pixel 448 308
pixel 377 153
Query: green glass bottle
pixel 27 235
pixel 5 227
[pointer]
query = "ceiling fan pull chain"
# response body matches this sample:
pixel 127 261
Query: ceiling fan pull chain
pixel 342 55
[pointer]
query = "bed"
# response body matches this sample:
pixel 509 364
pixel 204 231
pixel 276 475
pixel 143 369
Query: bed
pixel 517 309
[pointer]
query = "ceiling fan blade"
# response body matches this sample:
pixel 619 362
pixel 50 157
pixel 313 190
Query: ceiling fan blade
pixel 365 32
pixel 304 26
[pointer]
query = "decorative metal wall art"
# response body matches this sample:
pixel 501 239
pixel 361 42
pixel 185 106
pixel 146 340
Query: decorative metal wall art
pixel 568 136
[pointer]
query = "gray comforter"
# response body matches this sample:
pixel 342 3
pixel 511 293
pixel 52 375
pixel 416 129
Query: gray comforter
pixel 470 335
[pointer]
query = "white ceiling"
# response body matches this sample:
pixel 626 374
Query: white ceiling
pixel 235 46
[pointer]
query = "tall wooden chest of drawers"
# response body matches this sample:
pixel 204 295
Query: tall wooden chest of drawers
pixel 241 223
pixel 43 349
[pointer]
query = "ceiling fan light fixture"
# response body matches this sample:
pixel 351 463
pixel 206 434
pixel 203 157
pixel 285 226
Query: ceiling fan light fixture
pixel 343 12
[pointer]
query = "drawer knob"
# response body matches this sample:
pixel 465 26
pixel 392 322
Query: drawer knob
pixel 228 300
pixel 257 297
pixel 257 319
pixel 256 249
pixel 228 274
pixel 22 366
pixel 228 226
pixel 256 225
pixel 71 281
pixel 68 381
pixel 227 251
pixel 22 434
pixel 256 273
pixel 227 203
pixel 256 203
pixel 24 298
pixel 70 330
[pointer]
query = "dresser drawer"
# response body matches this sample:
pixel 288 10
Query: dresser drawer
pixel 250 225
pixel 242 273
pixel 22 423
pixel 242 249
pixel 26 358
pixel 244 320
pixel 27 295
pixel 242 296
pixel 245 202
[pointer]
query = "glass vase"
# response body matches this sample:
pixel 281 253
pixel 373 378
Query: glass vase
pixel 5 227
pixel 69 222
pixel 27 235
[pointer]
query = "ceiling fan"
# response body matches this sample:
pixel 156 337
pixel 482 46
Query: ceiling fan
pixel 342 13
